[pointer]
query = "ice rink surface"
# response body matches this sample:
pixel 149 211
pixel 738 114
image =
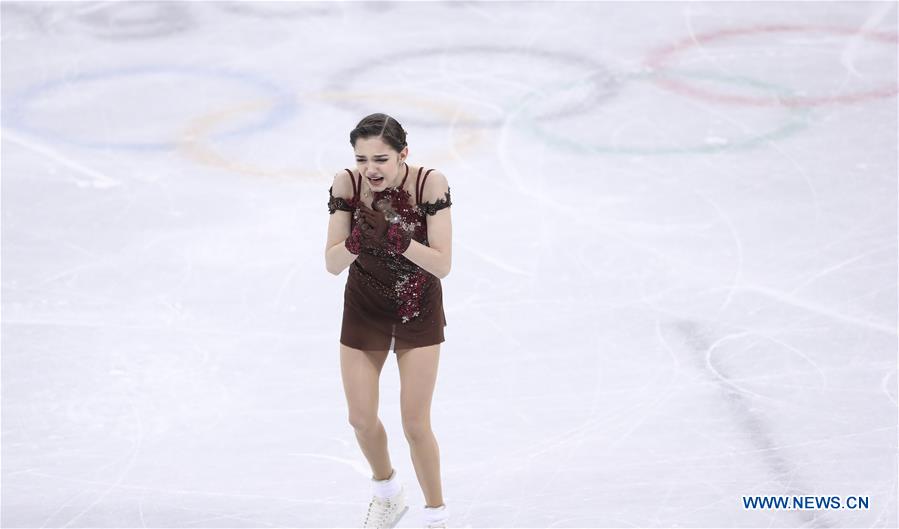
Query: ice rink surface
pixel 674 274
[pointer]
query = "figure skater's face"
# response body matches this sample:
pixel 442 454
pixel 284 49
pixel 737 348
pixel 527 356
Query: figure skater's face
pixel 379 163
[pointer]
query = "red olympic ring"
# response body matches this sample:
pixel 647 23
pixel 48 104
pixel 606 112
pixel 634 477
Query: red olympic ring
pixel 658 58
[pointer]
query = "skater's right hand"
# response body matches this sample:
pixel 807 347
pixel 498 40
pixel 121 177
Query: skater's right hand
pixel 364 235
pixel 353 243
pixel 375 224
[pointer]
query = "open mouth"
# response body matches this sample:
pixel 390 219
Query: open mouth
pixel 377 180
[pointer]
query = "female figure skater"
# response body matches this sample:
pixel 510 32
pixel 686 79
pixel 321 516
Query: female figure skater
pixel 390 223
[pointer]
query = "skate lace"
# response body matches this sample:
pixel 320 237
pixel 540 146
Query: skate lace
pixel 379 512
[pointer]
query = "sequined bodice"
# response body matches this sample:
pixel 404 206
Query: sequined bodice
pixel 394 276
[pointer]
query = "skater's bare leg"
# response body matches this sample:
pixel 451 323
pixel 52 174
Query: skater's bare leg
pixel 360 371
pixel 418 376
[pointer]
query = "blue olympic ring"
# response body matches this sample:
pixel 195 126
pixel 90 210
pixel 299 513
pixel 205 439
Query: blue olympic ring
pixel 284 107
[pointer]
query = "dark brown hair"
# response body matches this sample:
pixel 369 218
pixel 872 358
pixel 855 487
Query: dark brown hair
pixel 382 126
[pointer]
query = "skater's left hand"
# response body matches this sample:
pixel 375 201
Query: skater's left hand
pixel 398 238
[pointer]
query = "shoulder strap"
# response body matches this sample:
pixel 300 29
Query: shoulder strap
pixel 405 176
pixel 419 190
pixel 356 185
pixel 417 181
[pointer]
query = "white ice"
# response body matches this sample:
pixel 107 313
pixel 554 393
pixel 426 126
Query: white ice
pixel 674 273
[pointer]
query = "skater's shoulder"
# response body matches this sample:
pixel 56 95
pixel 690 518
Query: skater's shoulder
pixel 435 187
pixel 435 196
pixel 342 185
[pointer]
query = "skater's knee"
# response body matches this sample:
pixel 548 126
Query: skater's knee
pixel 364 424
pixel 417 430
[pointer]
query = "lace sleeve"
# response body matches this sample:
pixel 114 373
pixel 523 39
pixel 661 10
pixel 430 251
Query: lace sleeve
pixel 335 203
pixel 431 208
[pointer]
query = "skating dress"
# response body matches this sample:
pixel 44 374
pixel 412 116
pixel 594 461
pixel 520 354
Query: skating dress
pixel 389 301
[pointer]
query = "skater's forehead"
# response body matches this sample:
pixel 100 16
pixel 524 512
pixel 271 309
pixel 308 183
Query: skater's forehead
pixel 373 145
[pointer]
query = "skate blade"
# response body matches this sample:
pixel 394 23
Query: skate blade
pixel 398 517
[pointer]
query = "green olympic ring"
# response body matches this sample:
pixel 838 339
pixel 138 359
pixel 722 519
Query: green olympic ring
pixel 799 119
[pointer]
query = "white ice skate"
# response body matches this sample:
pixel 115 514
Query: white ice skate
pixel 385 513
pixel 436 517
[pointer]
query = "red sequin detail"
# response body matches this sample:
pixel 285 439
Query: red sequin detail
pixel 411 280
pixel 353 243
pixel 398 238
pixel 409 290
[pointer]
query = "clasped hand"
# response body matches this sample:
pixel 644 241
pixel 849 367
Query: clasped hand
pixel 378 232
pixel 373 231
pixel 374 223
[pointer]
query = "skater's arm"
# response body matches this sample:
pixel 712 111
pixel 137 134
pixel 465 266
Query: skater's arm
pixel 337 257
pixel 435 258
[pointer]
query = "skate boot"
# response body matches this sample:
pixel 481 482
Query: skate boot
pixel 436 516
pixel 388 503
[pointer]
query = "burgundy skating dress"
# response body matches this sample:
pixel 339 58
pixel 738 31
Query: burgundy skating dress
pixel 389 300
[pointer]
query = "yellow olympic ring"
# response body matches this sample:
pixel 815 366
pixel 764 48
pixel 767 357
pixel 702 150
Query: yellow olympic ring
pixel 194 145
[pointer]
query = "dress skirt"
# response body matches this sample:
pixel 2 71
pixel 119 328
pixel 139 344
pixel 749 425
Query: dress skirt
pixel 370 320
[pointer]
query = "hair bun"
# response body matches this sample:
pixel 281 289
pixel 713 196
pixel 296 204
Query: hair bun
pixel 383 126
